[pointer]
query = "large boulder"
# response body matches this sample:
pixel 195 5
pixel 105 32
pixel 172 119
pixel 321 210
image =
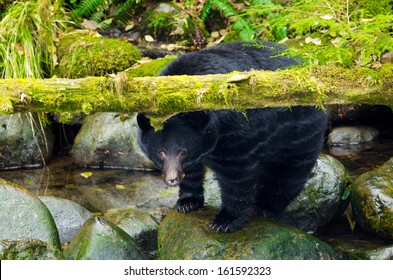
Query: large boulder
pixel 188 236
pixel 99 239
pixel 69 216
pixel 23 215
pixel 25 141
pixel 109 140
pixel 372 200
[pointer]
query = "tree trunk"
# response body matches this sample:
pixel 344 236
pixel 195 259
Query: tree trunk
pixel 166 95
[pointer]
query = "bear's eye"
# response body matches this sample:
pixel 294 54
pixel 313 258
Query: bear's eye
pixel 182 152
pixel 161 154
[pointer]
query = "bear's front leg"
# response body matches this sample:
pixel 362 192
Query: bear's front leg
pixel 236 207
pixel 191 190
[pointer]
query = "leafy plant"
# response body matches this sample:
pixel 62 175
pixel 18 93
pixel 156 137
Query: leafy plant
pixel 27 38
pixel 105 11
pixel 238 22
pixel 343 32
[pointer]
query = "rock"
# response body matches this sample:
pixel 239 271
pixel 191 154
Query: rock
pixel 25 141
pixel 315 206
pixel 363 250
pixel 188 236
pixel 23 215
pixel 109 140
pixel 352 135
pixel 69 216
pixel 320 200
pixel 81 55
pixel 28 249
pixel 99 239
pixel 372 200
pixel 138 224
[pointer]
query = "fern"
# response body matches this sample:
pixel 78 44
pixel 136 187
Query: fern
pixel 239 22
pixel 86 8
pixel 102 11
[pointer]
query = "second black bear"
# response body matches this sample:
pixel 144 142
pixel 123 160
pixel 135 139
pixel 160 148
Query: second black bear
pixel 261 158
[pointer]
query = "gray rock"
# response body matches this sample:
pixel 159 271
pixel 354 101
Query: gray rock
pixel 99 239
pixel 352 135
pixel 372 200
pixel 25 141
pixel 69 216
pixel 109 140
pixel 23 215
pixel 320 200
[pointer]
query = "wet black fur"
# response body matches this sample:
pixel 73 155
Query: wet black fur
pixel 261 159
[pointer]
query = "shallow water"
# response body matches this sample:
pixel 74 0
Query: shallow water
pixel 100 190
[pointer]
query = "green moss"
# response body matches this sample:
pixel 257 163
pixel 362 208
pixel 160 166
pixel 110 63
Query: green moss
pixel 372 197
pixel 188 236
pixel 151 68
pixel 82 55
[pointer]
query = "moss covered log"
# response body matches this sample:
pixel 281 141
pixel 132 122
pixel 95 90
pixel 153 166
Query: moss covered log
pixel 166 95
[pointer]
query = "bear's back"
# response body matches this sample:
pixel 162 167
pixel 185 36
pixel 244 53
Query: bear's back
pixel 225 58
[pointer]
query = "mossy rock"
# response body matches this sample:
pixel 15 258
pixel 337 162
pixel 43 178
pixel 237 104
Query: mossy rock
pixel 28 249
pixel 82 55
pixel 23 215
pixel 151 68
pixel 138 224
pixel 99 239
pixel 188 236
pixel 372 200
pixel 363 249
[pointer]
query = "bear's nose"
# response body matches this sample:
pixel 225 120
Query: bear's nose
pixel 172 182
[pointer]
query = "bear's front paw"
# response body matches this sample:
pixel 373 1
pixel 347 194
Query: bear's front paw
pixel 188 204
pixel 226 222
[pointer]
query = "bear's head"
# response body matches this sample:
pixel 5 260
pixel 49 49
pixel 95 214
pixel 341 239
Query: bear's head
pixel 184 141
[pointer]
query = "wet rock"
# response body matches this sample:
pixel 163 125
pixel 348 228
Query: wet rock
pixel 99 239
pixel 25 141
pixel 23 215
pixel 363 250
pixel 138 224
pixel 109 140
pixel 352 135
pixel 69 216
pixel 188 236
pixel 321 199
pixel 81 55
pixel 372 200
pixel 316 205
pixel 28 249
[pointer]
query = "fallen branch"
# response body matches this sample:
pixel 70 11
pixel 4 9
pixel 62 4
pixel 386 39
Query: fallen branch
pixel 165 95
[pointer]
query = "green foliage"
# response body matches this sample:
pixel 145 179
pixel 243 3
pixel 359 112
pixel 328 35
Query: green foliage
pixel 239 22
pixel 105 11
pixel 342 32
pixel 28 32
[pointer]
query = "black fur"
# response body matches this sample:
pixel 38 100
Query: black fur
pixel 261 159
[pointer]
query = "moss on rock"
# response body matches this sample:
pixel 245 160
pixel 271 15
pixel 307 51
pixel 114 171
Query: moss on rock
pixel 81 55
pixel 188 236
pixel 372 200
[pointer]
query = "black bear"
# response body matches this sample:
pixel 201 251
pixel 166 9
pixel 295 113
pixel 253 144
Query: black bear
pixel 260 157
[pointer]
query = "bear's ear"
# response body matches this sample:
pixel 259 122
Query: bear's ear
pixel 143 122
pixel 199 119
